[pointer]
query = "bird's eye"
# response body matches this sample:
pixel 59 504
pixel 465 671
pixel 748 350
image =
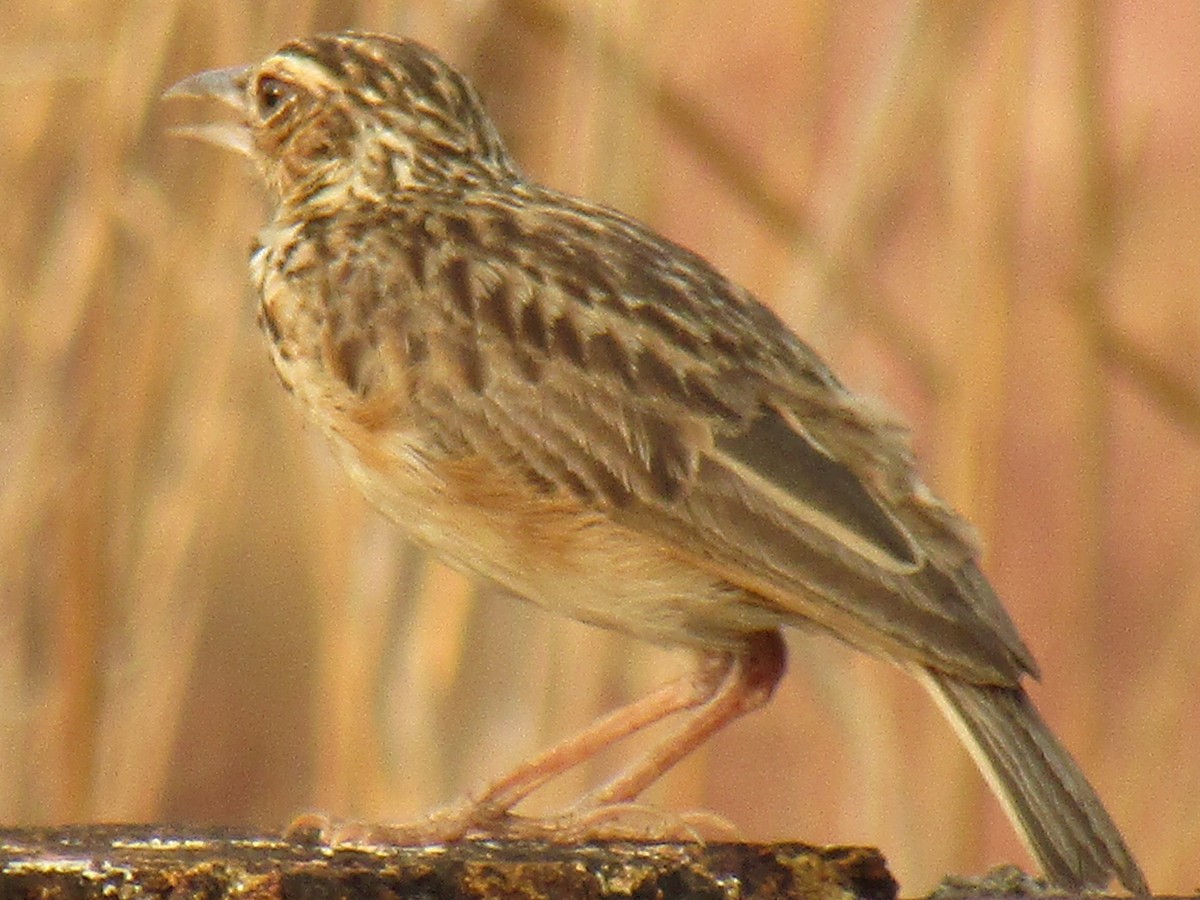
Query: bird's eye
pixel 271 94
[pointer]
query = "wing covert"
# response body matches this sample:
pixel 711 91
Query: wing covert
pixel 637 379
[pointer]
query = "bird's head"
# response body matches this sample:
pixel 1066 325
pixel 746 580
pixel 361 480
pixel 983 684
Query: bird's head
pixel 355 111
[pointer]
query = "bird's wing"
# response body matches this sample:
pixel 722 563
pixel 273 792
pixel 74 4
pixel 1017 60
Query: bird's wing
pixel 627 372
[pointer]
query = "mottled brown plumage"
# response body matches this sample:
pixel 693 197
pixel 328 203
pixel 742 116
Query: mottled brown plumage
pixel 554 397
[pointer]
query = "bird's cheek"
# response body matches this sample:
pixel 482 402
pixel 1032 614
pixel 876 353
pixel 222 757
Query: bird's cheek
pixel 268 145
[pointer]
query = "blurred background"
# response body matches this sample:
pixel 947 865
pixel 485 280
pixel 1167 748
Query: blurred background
pixel 982 213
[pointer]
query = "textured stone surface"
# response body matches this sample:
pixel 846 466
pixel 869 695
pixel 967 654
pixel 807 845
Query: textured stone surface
pixel 129 862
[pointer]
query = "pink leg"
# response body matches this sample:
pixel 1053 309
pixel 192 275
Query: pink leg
pixel 681 694
pixel 736 685
pixel 723 687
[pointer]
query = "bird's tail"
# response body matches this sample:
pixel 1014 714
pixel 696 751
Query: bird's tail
pixel 1045 795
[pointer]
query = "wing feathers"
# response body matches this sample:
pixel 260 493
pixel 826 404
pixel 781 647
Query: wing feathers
pixel 788 464
pixel 674 400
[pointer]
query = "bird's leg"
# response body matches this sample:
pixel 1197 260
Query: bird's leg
pixel 735 685
pixel 681 694
pixel 723 687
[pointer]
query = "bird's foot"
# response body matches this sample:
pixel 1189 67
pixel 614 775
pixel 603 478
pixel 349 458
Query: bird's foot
pixel 468 820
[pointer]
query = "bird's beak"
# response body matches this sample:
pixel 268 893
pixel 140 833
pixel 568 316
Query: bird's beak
pixel 227 86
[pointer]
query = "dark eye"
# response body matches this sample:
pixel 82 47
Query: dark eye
pixel 271 94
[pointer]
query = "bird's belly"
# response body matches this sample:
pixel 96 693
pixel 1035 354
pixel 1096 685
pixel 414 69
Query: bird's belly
pixel 549 550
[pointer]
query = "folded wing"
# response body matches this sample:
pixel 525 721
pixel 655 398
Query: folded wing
pixel 631 375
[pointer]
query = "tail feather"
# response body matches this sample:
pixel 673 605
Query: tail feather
pixel 1048 799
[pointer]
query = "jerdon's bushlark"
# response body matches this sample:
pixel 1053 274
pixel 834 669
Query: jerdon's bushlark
pixel 550 395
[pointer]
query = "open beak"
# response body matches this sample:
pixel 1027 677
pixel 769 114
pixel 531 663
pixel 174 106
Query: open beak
pixel 227 86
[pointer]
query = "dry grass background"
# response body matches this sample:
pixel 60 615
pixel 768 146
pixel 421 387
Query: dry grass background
pixel 983 212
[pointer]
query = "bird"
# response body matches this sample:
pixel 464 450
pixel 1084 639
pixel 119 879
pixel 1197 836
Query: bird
pixel 549 395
